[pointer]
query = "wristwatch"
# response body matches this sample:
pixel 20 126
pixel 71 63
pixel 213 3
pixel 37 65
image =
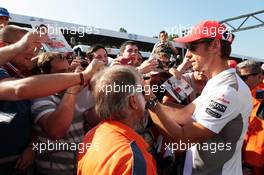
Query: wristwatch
pixel 151 103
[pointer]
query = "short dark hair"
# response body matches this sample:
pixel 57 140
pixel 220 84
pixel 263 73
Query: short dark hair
pixel 225 49
pixel 164 32
pixel 123 46
pixel 93 49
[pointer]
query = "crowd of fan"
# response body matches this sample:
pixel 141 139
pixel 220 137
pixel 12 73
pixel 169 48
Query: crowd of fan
pixel 51 98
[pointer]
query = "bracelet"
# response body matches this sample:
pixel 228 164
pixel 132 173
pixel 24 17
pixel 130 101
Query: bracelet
pixel 81 78
pixel 69 92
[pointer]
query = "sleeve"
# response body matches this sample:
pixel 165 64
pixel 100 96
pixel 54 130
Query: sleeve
pixel 214 111
pixel 42 106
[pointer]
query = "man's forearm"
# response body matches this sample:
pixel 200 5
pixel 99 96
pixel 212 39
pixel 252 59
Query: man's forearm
pixel 7 53
pixel 57 123
pixel 180 115
pixel 38 86
pixel 173 118
pixel 170 122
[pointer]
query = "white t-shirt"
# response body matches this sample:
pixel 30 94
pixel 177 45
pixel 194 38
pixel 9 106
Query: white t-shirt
pixel 223 107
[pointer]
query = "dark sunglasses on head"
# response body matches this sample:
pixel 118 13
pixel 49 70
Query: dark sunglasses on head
pixel 193 46
pixel 245 77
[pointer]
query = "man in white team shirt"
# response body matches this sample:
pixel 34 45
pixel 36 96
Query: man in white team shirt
pixel 218 119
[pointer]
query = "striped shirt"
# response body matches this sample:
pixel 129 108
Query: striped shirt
pixel 59 157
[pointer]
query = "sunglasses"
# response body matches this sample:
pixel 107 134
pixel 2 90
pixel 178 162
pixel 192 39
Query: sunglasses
pixel 194 45
pixel 245 77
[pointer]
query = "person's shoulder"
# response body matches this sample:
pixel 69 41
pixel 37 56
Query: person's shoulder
pixel 225 83
pixel 109 141
pixel 223 91
pixel 105 134
pixel 47 104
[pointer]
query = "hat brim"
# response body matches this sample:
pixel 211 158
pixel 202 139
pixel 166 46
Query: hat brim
pixel 9 17
pixel 187 39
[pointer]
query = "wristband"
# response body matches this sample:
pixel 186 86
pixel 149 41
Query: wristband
pixel 151 103
pixel 72 93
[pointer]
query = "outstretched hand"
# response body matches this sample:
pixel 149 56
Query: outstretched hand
pixel 95 66
pixel 148 65
pixel 31 41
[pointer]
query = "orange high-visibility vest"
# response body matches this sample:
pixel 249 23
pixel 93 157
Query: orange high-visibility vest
pixel 253 151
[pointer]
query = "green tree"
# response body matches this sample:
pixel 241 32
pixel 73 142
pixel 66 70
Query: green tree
pixel 172 36
pixel 122 29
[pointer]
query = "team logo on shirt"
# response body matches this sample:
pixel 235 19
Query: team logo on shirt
pixel 222 99
pixel 213 113
pixel 217 106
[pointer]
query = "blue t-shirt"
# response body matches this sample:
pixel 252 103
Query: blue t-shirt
pixel 15 124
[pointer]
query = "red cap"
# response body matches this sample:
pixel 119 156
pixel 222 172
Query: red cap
pixel 232 63
pixel 207 29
